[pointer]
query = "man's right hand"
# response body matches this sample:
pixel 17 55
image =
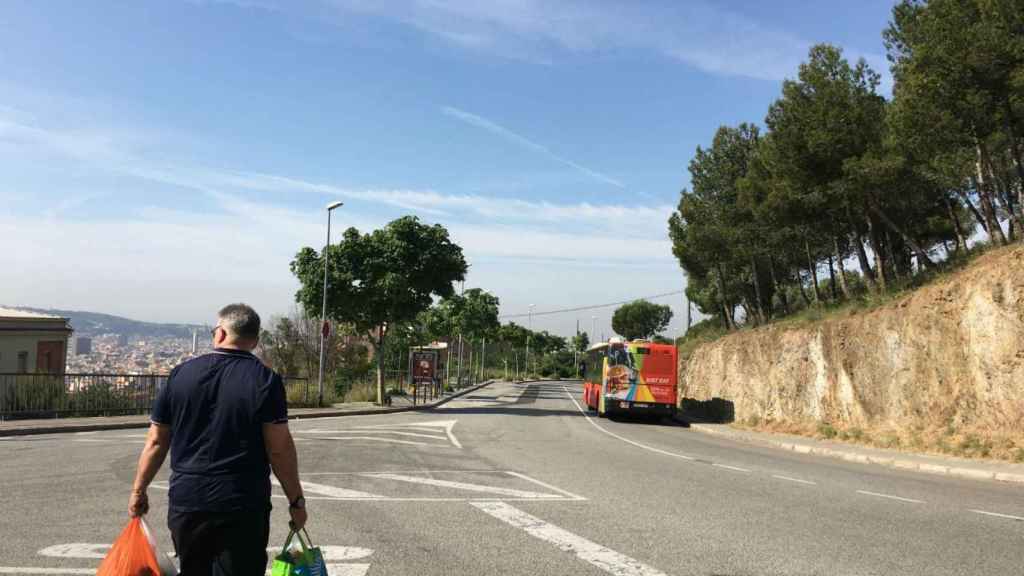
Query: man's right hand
pixel 299 517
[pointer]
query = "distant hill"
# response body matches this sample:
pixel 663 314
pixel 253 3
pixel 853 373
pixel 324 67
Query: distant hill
pixel 93 323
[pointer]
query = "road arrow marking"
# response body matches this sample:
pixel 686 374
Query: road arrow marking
pixel 604 558
pixel 431 430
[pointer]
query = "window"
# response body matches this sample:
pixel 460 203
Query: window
pixel 22 362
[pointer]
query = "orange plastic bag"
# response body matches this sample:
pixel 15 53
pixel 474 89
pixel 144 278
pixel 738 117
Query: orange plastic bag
pixel 132 554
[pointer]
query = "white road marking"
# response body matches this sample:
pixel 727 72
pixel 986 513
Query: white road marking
pixel 998 515
pixel 345 553
pixel 348 569
pixel 107 441
pixel 464 486
pixel 890 496
pixel 808 482
pixel 25 570
pixel 335 553
pixel 396 432
pixel 727 467
pixel 545 485
pixel 75 550
pixel 604 558
pixel 626 440
pixel 489 471
pixel 375 439
pixel 334 491
pixel 447 425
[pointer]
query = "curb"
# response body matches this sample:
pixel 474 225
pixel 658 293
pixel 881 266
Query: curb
pixel 100 426
pixel 893 461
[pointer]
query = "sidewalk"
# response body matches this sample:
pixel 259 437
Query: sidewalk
pixel 96 423
pixel 932 464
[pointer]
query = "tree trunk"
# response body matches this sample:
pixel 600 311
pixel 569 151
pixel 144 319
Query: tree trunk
pixel 974 210
pixel 961 242
pixel 862 256
pixel 1011 129
pixel 727 314
pixel 922 256
pixel 843 284
pixel 380 365
pixel 780 289
pixel 879 256
pixel 813 267
pixel 832 279
pixel 984 187
pixel 1004 199
pixel 757 290
pixel 890 255
pixel 803 293
pixel 749 313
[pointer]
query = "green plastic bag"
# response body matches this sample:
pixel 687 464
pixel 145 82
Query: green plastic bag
pixel 305 560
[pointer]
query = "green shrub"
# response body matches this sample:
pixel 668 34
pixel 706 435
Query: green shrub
pixel 826 430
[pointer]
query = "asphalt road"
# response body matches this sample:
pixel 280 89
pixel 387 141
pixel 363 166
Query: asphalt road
pixel 516 479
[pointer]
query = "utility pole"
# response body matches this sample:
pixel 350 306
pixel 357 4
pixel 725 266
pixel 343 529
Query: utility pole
pixel 325 327
pixel 593 327
pixel 576 350
pixel 528 336
pixel 483 358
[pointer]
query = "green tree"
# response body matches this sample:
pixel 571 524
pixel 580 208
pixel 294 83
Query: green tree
pixel 382 279
pixel 641 319
pixel 581 342
pixel 959 70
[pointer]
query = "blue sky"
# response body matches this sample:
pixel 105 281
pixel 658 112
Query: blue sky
pixel 161 158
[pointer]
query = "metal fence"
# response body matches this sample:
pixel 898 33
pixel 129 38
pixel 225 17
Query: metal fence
pixel 25 396
pixel 65 395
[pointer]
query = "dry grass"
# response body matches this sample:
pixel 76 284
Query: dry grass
pixel 948 440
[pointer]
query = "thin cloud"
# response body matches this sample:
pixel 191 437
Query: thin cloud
pixel 702 34
pixel 499 130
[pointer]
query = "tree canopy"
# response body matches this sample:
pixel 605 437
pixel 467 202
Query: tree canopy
pixel 838 174
pixel 640 319
pixel 383 278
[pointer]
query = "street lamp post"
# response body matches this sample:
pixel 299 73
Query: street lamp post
pixel 593 328
pixel 529 335
pixel 323 311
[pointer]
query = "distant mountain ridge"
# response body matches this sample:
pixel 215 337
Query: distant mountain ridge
pixel 94 323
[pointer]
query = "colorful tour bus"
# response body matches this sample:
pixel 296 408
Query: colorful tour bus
pixel 635 377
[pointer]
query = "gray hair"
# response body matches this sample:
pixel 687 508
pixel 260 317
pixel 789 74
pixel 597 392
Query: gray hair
pixel 240 320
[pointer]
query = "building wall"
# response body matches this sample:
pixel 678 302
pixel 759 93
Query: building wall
pixel 11 343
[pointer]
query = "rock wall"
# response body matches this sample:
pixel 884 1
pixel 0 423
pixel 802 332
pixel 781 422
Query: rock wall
pixel 949 354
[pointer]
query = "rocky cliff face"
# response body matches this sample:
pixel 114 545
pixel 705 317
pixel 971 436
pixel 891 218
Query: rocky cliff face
pixel 949 355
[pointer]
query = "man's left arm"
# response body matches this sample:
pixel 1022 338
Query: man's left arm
pixel 158 443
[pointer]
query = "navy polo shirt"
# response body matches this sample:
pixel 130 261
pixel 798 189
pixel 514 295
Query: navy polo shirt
pixel 216 406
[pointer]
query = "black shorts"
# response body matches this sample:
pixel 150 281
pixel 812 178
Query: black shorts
pixel 220 543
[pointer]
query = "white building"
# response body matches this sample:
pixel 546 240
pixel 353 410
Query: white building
pixel 32 342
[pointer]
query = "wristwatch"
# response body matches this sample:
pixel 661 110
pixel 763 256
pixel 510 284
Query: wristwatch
pixel 298 504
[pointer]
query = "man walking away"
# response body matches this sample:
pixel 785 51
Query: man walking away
pixel 224 418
